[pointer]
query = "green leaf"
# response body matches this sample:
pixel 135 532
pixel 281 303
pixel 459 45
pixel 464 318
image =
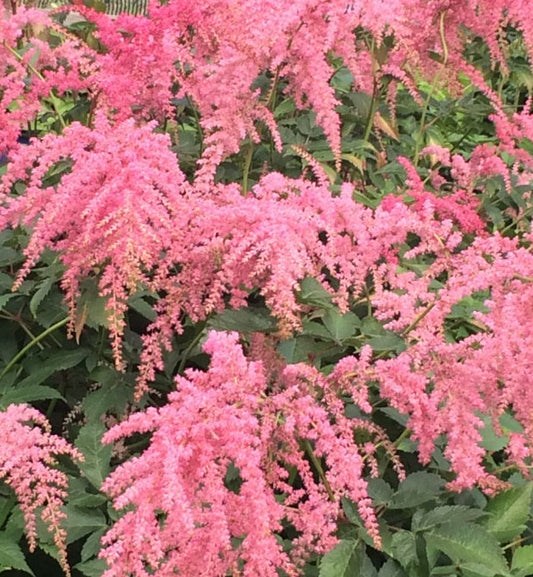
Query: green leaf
pixel 418 488
pixel 110 397
pixel 300 349
pixel 425 520
pixel 244 320
pixel 39 370
pixel 403 548
pixel 391 568
pixel 80 522
pixel 139 304
pixel 468 543
pixel 81 494
pixel 387 342
pixel 490 440
pixel 95 467
pixel 509 513
pixel 11 555
pixel 43 290
pixel 379 491
pixel 477 570
pixel 522 564
pixel 342 561
pixel 92 545
pixel 28 394
pixel 340 327
pixel 92 568
pixel 313 293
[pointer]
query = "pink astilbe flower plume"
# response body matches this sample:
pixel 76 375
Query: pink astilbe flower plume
pixel 40 70
pixel 26 465
pixel 116 210
pixel 182 513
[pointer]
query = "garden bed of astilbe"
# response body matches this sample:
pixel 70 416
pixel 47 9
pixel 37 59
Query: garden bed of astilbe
pixel 266 289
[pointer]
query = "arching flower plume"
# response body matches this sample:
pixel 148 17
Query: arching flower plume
pixel 230 423
pixel 27 457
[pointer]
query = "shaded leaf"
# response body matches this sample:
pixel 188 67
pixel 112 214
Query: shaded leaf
pixel 95 467
pixel 80 522
pixel 418 488
pixel 468 543
pixel 342 561
pixel 509 512
pixel 424 520
pixel 244 320
pixel 11 555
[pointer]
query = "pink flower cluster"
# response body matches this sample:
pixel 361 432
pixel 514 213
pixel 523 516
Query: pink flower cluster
pixel 124 213
pixel 27 466
pixel 182 513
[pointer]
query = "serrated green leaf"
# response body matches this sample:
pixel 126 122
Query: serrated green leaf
pixel 342 561
pixel 391 568
pixel 299 349
pixel 244 320
pixel 522 564
pixel 11 555
pixel 313 293
pixel 95 466
pixel 80 522
pixel 92 545
pixel 340 326
pixel 315 329
pixel 29 394
pixel 379 491
pixel 61 360
pixel 477 570
pixel 387 342
pixel 425 520
pixel 92 568
pixel 81 494
pixel 110 397
pixel 403 547
pixel 4 299
pixel 139 304
pixel 44 288
pixel 418 488
pixel 468 543
pixel 509 512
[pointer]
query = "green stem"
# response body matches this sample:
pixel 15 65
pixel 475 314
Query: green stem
pixel 53 99
pixel 420 135
pixel 417 320
pixel 246 167
pixel 31 344
pixel 374 101
pixel 188 350
pixel 318 466
pixel 198 125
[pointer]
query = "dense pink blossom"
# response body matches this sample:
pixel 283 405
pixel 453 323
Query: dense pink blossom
pixel 124 215
pixel 27 466
pixel 181 515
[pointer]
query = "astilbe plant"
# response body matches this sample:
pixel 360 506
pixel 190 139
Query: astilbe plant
pixel 27 459
pixel 123 212
pixel 182 517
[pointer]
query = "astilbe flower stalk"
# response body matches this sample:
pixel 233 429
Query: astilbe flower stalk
pixel 182 513
pixel 40 71
pixel 445 385
pixel 116 210
pixel 27 459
